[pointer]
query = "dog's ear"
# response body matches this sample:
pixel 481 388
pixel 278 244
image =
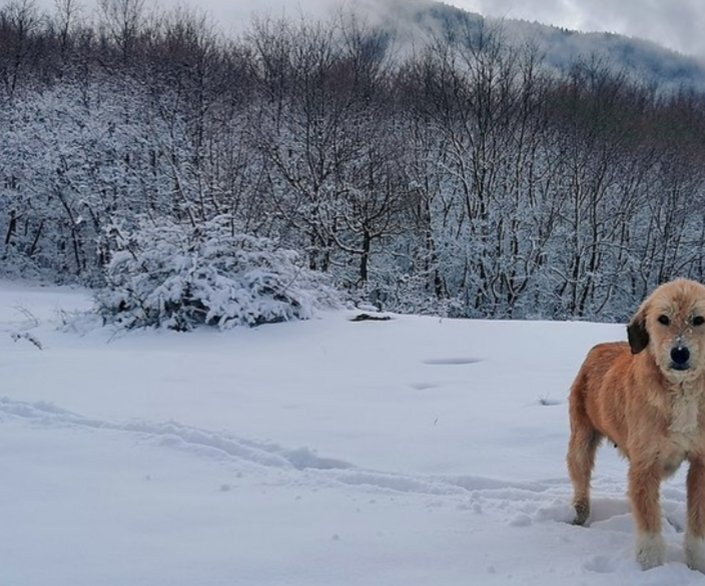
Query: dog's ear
pixel 637 334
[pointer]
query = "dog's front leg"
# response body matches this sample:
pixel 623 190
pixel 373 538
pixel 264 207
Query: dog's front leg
pixel 644 484
pixel 695 534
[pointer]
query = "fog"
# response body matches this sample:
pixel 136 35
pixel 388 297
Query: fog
pixel 675 24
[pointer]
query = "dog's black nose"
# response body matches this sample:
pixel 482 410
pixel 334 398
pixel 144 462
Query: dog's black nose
pixel 680 355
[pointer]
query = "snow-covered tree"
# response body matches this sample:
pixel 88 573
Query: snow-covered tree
pixel 179 276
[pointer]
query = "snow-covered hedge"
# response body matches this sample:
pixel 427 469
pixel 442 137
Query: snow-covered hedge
pixel 179 276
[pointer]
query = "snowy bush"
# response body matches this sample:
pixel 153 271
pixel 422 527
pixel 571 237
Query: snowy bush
pixel 177 276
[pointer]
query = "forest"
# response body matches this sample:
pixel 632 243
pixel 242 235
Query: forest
pixel 460 177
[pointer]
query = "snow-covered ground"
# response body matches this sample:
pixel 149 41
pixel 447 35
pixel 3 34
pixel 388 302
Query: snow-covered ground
pixel 407 452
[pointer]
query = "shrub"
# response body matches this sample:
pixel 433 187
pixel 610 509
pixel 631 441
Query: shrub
pixel 177 276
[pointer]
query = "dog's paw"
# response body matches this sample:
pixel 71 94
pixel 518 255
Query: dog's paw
pixel 582 512
pixel 650 550
pixel 695 552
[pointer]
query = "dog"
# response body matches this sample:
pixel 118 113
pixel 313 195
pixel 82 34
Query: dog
pixel 647 396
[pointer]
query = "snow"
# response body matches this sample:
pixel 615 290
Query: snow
pixel 412 451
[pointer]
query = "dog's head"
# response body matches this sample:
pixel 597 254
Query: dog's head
pixel 670 324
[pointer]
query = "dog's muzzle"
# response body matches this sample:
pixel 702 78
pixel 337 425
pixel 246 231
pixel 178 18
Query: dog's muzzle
pixel 680 356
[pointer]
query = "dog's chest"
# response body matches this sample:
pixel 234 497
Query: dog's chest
pixel 685 421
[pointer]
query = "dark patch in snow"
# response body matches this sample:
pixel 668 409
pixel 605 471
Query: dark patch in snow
pixel 370 317
pixel 451 361
pixel 423 386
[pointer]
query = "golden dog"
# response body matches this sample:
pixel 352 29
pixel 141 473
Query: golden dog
pixel 648 397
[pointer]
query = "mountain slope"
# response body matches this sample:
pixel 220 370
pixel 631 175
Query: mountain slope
pixel 563 48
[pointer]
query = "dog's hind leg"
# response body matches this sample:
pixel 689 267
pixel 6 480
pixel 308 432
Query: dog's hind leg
pixel 581 459
pixel 695 533
pixel 584 440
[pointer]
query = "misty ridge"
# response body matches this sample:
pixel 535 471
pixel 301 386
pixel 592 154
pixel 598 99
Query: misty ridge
pixel 420 158
pixel 642 61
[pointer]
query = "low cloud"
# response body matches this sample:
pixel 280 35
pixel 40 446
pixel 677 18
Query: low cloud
pixel 677 24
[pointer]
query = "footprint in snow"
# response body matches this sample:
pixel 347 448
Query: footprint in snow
pixel 604 509
pixel 601 564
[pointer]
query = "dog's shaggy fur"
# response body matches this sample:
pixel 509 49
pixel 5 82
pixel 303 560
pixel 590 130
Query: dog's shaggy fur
pixel 648 397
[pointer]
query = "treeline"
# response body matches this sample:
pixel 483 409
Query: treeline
pixel 459 178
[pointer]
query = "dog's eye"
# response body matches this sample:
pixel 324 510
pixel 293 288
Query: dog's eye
pixel 698 320
pixel 663 319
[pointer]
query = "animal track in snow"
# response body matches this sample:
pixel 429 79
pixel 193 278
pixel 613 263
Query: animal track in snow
pixel 182 436
pixel 519 503
pixel 493 493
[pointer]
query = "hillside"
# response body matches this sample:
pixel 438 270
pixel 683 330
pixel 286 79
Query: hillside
pixel 466 178
pixel 642 60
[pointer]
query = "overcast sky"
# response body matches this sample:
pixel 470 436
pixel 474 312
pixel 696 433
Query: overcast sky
pixel 677 24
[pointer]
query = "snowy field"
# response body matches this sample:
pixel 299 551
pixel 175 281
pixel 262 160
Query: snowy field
pixel 408 452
